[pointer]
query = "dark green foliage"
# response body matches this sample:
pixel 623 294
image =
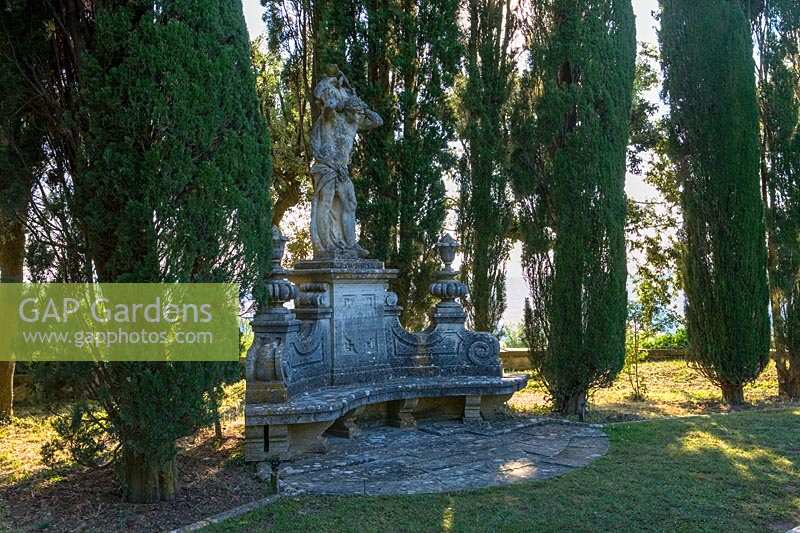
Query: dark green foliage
pixel 21 137
pixel 707 54
pixel 644 129
pixel 44 45
pixel 21 155
pixel 676 340
pixel 174 189
pixel 777 33
pixel 485 214
pixel 571 133
pixel 427 58
pixel 402 57
pixel 22 33
pixel 158 171
pixel 84 435
pixel 174 186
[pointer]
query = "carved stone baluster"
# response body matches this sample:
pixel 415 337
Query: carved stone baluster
pixel 449 313
pixel 273 328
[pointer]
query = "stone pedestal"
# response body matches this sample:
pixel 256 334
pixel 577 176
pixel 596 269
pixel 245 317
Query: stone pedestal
pixel 345 426
pixel 357 293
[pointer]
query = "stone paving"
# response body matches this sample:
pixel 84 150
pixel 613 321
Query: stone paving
pixel 442 457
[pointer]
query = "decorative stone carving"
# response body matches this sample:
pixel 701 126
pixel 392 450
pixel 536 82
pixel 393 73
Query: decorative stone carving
pixel 312 295
pixel 448 313
pixel 333 206
pixel 283 347
pixel 260 363
pixel 447 247
pixel 482 352
pixel 447 288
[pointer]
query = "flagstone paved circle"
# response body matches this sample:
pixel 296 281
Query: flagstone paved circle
pixel 443 457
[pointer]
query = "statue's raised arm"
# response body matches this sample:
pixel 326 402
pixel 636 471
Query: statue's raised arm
pixel 369 119
pixel 360 113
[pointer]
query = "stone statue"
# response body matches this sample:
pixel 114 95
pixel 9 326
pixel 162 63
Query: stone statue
pixel 333 207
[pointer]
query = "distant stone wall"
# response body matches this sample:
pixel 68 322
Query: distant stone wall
pixel 515 358
pixel 518 359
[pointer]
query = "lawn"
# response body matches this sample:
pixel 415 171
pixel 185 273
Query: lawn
pixel 721 471
pixel 673 389
pixel 737 472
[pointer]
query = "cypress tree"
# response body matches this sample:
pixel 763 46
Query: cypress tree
pixel 485 206
pixel 427 60
pixel 709 82
pixel 571 130
pixel 173 188
pixel 778 38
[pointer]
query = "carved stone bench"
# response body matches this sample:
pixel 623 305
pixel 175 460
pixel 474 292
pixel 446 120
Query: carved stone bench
pixel 342 356
pixel 290 428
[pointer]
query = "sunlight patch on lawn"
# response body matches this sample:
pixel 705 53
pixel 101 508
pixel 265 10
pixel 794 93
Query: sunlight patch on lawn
pixel 21 444
pixel 448 517
pixel 743 460
pixel 673 388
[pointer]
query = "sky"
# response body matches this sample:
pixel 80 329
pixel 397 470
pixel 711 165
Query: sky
pixel 634 186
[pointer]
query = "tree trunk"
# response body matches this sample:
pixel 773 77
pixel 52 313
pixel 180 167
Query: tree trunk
pixel 733 394
pixel 149 482
pixel 6 391
pixel 217 422
pixel 574 404
pixel 788 369
pixel 789 387
pixel 788 377
pixel 12 256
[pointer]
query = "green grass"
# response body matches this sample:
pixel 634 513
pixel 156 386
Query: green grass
pixel 672 389
pixel 20 444
pixel 737 472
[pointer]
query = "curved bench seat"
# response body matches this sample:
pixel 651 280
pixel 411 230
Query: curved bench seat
pixel 286 429
pixel 331 403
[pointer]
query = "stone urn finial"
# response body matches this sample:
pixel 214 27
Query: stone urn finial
pixel 447 288
pixel 280 289
pixel 447 248
pixel 278 247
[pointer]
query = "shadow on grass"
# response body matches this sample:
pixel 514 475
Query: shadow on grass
pixel 738 472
